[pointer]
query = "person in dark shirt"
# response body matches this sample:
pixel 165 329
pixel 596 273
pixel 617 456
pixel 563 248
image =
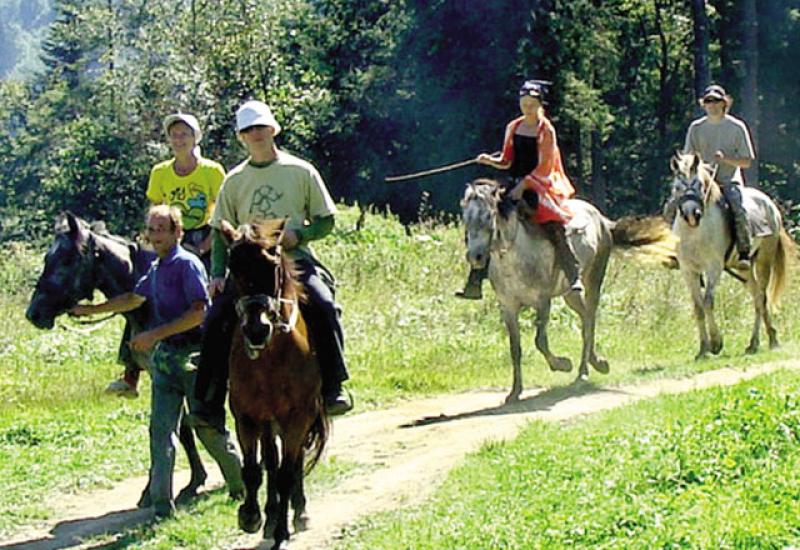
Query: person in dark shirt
pixel 175 289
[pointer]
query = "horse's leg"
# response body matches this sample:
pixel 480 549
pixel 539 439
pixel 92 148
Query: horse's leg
pixel 248 433
pixel 696 292
pixel 270 458
pixel 592 301
pixel 198 478
pixel 511 319
pixel 758 292
pixel 300 519
pixel 764 270
pixel 712 280
pixel 290 470
pixel 561 364
pixel 577 303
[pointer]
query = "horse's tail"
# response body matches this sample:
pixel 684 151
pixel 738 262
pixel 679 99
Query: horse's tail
pixel 651 234
pixel 317 437
pixel 784 253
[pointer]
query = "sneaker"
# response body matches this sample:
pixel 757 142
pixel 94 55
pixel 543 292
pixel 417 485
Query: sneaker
pixel 121 388
pixel 337 403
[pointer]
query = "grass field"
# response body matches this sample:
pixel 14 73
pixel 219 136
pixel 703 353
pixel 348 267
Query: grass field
pixel 406 337
pixel 718 468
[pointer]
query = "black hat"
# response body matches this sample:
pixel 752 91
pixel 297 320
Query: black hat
pixel 534 88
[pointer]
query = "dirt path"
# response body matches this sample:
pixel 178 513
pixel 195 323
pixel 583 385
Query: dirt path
pixel 407 450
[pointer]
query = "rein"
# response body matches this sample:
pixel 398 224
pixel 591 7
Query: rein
pixel 99 323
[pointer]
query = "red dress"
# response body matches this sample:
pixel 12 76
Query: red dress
pixel 548 179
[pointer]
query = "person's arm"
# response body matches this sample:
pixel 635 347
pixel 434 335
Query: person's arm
pixel 193 317
pixel 219 262
pixel 740 162
pixel 118 304
pixel 320 227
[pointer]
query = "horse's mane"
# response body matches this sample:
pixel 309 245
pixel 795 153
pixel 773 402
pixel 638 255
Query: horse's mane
pixel 267 235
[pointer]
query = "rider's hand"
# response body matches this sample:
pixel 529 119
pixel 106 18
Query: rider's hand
pixel 483 158
pixel 81 311
pixel 719 156
pixel 144 341
pixel 290 239
pixel 216 286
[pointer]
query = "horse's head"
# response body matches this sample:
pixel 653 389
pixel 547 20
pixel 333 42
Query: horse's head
pixel 693 187
pixel 67 276
pixel 479 211
pixel 264 282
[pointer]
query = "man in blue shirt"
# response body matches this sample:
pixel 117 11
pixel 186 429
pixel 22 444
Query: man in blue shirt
pixel 175 290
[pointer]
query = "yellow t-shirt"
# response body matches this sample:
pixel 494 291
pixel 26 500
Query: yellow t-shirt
pixel 289 187
pixel 195 193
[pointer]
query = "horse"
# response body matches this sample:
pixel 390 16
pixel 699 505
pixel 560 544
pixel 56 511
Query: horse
pixel 274 379
pixel 524 272
pixel 706 244
pixel 83 258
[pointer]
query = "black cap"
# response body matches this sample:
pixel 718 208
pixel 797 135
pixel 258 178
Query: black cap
pixel 534 88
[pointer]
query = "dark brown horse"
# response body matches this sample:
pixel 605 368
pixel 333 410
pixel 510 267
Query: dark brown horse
pixel 274 380
pixel 86 258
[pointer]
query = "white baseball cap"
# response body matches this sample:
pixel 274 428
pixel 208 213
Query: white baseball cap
pixel 255 113
pixel 187 119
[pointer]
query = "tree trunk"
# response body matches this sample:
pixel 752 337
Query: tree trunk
pixel 599 189
pixel 750 81
pixel 702 71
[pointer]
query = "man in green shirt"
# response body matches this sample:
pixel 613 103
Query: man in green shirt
pixel 274 184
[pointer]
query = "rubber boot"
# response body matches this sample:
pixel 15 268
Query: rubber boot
pixel 733 195
pixel 565 257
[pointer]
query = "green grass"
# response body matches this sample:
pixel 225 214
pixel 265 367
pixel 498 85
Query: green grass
pixel 713 469
pixel 407 337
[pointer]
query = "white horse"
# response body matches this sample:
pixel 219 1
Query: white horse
pixel 706 245
pixel 524 272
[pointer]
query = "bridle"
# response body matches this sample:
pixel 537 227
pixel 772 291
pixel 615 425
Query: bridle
pixel 272 306
pixel 498 242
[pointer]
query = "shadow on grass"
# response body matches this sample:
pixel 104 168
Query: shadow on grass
pixel 542 401
pixel 72 533
pixel 123 524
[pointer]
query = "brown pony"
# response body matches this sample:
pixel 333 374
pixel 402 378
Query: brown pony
pixel 274 379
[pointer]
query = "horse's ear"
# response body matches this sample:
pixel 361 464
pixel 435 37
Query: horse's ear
pixel 73 225
pixel 675 163
pixel 229 232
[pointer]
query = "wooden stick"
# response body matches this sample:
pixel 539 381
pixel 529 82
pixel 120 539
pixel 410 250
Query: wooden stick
pixel 431 171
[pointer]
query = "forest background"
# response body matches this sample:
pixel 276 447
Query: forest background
pixel 366 89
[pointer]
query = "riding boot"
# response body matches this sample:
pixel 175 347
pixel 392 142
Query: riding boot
pixel 565 257
pixel 211 386
pixel 733 195
pixel 472 290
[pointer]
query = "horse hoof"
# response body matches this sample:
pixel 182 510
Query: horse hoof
pixel 751 349
pixel 716 347
pixel 249 522
pixel 774 344
pixel 601 366
pixel 186 495
pixel 512 397
pixel 561 364
pixel 300 522
pixel 145 501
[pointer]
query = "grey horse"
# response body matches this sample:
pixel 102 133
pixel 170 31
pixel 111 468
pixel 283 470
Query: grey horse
pixel 524 273
pixel 706 245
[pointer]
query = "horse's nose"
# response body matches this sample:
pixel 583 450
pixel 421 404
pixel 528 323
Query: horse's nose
pixel 476 259
pixel 37 318
pixel 258 334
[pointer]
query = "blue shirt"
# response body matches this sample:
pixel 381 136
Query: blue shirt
pixel 171 285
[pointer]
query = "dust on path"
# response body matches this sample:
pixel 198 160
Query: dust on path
pixel 407 451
